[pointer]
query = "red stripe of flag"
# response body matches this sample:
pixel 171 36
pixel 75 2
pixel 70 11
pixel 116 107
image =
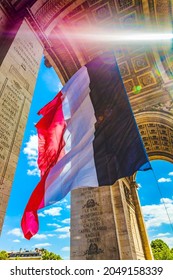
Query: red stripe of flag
pixel 51 149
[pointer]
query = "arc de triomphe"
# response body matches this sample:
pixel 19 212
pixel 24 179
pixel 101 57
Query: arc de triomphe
pixel 106 223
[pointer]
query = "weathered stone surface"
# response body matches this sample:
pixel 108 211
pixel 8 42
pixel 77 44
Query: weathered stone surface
pixel 18 75
pixel 107 222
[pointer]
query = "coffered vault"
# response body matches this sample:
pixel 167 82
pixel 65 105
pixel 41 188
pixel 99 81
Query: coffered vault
pixel 146 69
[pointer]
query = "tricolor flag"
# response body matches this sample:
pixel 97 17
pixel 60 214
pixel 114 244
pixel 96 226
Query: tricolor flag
pixel 88 137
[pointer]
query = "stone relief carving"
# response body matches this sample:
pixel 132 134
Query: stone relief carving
pixel 90 203
pixel 93 250
pixel 165 107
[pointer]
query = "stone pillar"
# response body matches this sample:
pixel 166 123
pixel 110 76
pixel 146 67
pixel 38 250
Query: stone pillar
pixel 8 30
pixel 18 73
pixel 107 223
pixel 141 224
pixel 93 229
pixel 122 218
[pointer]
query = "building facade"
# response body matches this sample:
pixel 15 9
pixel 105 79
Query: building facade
pixel 25 255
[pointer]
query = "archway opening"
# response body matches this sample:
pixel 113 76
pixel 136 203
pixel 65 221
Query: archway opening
pixel 156 197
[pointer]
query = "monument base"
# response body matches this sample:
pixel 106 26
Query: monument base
pixel 104 225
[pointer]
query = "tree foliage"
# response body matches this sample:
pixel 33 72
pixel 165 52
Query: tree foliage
pixel 46 255
pixel 161 250
pixel 3 255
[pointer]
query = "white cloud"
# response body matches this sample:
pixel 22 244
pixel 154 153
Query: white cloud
pixel 59 86
pixel 41 245
pixel 65 249
pixel 164 180
pixel 68 206
pixel 139 186
pixel 159 235
pixel 63 236
pixel 65 232
pixel 40 236
pixel 66 221
pixel 63 201
pixel 51 235
pixel 170 173
pixel 33 172
pixel 156 215
pixel 16 240
pixel 63 229
pixel 166 200
pixel 54 211
pixel 31 151
pixel 41 215
pixel 167 240
pixel 16 232
pixel 53 225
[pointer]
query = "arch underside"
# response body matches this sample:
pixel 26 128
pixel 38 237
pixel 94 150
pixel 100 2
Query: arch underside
pixel 156 129
pixel 147 73
pixel 148 67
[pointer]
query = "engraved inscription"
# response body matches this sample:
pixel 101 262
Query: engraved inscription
pixel 93 225
pixel 11 103
pixel 18 76
pixel 25 50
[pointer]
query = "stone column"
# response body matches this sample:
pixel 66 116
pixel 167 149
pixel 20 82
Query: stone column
pixel 93 229
pixel 18 73
pixel 107 223
pixel 141 224
pixel 122 219
pixel 8 30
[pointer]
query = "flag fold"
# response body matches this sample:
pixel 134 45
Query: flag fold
pixel 88 137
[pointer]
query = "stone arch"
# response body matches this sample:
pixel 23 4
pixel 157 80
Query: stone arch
pixel 156 130
pixel 151 69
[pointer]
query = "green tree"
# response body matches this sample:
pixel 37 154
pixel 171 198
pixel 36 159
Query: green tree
pixel 3 255
pixel 50 256
pixel 161 250
pixel 171 251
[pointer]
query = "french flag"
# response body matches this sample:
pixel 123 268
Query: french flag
pixel 88 137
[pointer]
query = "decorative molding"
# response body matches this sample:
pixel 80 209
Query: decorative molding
pixel 158 138
pixel 124 4
pixel 102 13
pixel 166 107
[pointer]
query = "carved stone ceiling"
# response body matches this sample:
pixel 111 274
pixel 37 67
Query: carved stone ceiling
pixel 158 140
pixel 147 70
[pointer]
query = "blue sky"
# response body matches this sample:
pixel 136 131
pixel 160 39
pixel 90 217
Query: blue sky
pixel 55 220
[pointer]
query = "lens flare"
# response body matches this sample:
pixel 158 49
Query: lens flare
pixel 137 89
pixel 122 37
